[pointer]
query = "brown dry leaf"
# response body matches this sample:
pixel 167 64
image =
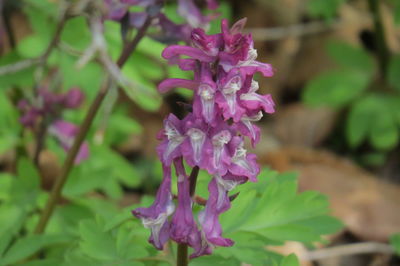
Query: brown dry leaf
pixel 299 125
pixel 367 205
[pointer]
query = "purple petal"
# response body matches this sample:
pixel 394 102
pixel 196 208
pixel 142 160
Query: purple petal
pixel 156 216
pixel 218 202
pixel 183 226
pixel 255 102
pixel 195 148
pixel 169 84
pixel 243 164
pixel 247 128
pixel 174 51
pixel 173 137
pixel 209 44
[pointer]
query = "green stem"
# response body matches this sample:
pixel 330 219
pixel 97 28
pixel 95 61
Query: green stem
pixel 83 130
pixel 379 38
pixel 182 253
pixel 182 256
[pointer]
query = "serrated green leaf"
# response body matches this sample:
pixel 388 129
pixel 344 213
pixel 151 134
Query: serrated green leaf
pixel 29 245
pixel 274 211
pixel 335 88
pixel 96 243
pixel 351 57
pixel 395 242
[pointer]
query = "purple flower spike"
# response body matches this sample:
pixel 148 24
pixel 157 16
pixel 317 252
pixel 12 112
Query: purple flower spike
pixel 156 216
pixel 225 107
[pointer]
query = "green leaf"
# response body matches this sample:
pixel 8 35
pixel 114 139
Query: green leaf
pixel 351 57
pixel 335 88
pixel 394 72
pixel 87 78
pixel 384 132
pixel 11 221
pixel 29 245
pixel 76 33
pixel 25 189
pixel 274 211
pixel 23 78
pixel 359 120
pixel 120 245
pixel 32 46
pixel 215 261
pixel 290 260
pixel 395 242
pixel 96 243
pixel 140 90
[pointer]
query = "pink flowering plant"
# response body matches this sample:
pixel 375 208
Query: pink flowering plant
pixel 74 166
pixel 211 137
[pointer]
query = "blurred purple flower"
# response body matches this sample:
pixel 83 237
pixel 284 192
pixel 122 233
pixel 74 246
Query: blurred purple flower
pixel 48 106
pixel 118 10
pixel 65 133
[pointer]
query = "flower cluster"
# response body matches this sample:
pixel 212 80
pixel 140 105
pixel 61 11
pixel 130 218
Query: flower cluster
pixel 118 10
pixel 211 137
pixel 47 107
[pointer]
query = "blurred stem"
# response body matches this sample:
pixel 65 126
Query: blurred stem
pixel 40 139
pixel 182 254
pixel 83 130
pixel 379 38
